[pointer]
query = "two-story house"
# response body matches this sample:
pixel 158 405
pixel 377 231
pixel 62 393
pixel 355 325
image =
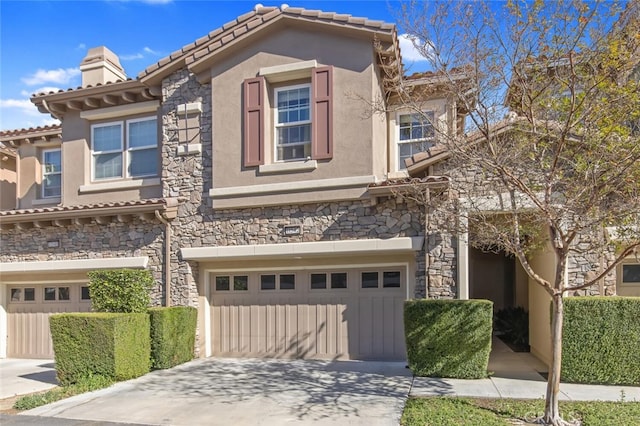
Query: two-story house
pixel 246 172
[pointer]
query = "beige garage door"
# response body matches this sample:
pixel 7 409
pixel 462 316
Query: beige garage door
pixel 28 311
pixel 337 314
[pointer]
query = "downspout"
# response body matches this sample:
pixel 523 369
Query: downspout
pixel 167 258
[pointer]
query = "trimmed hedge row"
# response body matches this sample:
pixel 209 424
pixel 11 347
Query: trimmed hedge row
pixel 173 335
pixel 448 338
pixel 107 344
pixel 601 340
pixel 121 346
pixel 120 290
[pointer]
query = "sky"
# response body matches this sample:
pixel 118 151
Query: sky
pixel 43 42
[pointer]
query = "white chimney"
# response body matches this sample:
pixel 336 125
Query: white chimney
pixel 100 66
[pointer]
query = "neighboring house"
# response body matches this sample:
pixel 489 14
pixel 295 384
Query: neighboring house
pixel 8 178
pixel 244 172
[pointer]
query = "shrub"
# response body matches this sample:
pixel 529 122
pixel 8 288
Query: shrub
pixel 173 334
pixel 120 290
pixel 448 338
pixel 601 340
pixel 115 346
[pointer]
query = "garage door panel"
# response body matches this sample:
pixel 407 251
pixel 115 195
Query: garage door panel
pixel 28 318
pixel 305 322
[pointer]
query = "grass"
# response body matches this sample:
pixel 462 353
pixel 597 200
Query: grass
pixel 446 411
pixel 85 385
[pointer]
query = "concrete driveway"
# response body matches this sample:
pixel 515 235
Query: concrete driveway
pixel 23 376
pixel 220 391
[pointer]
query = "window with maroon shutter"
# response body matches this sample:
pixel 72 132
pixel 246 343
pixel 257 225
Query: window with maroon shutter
pixel 322 117
pixel 254 104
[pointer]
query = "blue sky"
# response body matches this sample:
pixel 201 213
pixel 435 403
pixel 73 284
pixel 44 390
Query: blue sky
pixel 43 42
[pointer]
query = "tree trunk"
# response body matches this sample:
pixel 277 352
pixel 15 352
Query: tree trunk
pixel 551 410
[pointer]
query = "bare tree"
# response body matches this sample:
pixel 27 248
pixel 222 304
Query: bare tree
pixel 551 153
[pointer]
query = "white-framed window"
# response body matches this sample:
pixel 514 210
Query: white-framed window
pixel 51 173
pixel 292 122
pixel 415 134
pixel 125 149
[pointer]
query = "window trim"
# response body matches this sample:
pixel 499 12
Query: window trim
pixel 620 274
pixel 45 173
pixel 277 125
pixel 139 148
pixel 125 149
pixel 94 153
pixel 399 166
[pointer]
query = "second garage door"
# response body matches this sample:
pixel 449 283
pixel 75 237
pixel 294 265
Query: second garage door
pixel 28 310
pixel 330 314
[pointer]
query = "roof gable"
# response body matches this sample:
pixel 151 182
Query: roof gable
pixel 197 55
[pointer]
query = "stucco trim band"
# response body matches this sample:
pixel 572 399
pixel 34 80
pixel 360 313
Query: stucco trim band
pixel 111 186
pixel 303 185
pixel 77 265
pixel 120 110
pixel 331 248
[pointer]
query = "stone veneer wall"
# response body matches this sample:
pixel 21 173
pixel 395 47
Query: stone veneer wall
pixel 189 178
pixel 90 241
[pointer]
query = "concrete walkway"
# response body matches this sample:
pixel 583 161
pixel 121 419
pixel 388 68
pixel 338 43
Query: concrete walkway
pixel 517 375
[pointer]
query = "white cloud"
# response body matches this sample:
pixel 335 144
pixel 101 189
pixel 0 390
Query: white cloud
pixel 152 52
pixel 21 113
pixel 24 104
pixel 45 89
pixel 412 49
pixel 131 57
pixel 81 46
pixel 59 76
pixel 139 55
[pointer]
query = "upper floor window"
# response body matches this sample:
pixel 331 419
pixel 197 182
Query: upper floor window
pixel 415 134
pixel 293 123
pixel 125 149
pixel 301 126
pixel 51 173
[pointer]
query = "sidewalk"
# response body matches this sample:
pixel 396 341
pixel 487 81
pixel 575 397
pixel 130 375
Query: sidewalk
pixel 517 375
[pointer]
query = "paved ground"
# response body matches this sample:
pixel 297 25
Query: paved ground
pixel 23 376
pixel 220 391
pixel 517 375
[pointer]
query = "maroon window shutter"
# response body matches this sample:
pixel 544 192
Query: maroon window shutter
pixel 322 113
pixel 253 115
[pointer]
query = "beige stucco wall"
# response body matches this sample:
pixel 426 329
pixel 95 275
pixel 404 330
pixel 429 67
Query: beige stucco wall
pixel 543 263
pixel 355 137
pixel 8 181
pixel 76 165
pixel 29 168
pixel 522 286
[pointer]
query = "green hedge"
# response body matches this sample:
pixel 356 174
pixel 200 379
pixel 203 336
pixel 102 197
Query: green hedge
pixel 111 345
pixel 448 338
pixel 120 290
pixel 173 334
pixel 601 340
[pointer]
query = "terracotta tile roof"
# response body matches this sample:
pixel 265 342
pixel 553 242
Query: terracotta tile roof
pixel 88 86
pixel 31 130
pixel 249 22
pixel 85 207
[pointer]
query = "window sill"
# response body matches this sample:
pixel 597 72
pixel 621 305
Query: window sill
pixel 125 184
pixel 46 201
pixel 293 166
